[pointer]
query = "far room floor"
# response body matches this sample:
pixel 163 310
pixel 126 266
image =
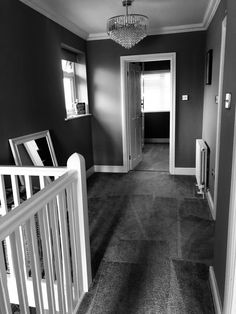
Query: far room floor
pixel 151 243
pixel 155 157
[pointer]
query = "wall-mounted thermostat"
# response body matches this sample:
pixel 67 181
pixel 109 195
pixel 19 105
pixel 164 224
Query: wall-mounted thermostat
pixel 185 97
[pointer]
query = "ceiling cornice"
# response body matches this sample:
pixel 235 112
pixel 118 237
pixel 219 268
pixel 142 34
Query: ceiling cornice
pixel 157 31
pixel 209 14
pixel 57 18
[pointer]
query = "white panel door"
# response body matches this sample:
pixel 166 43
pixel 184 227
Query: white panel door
pixel 134 98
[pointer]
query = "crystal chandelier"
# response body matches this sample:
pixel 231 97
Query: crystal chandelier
pixel 129 29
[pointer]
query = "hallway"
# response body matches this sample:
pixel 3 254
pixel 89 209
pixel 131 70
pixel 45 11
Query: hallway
pixel 151 243
pixel 155 157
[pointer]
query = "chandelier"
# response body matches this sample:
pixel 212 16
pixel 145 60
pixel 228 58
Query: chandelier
pixel 129 29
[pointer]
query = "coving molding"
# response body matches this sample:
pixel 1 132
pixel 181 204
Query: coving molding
pixel 210 12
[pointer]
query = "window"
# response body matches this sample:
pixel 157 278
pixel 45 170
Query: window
pixel 156 91
pixel 75 83
pixel 69 82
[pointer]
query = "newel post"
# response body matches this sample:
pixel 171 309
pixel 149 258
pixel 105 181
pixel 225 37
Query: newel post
pixel 76 162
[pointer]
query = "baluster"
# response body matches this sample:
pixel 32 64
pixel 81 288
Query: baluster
pixel 17 248
pixel 5 305
pixel 4 210
pixel 19 270
pixel 74 241
pixel 47 252
pixel 65 249
pixel 3 198
pixel 34 253
pixel 57 255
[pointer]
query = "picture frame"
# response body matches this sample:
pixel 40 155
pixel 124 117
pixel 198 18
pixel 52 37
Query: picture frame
pixel 209 59
pixel 80 108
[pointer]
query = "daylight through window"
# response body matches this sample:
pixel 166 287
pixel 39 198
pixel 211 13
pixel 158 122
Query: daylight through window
pixel 69 81
pixel 156 91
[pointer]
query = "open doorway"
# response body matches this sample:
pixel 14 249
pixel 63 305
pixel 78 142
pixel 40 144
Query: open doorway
pixel 156 107
pixel 131 140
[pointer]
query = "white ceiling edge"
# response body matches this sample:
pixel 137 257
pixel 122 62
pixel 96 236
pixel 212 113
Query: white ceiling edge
pixel 57 18
pixel 157 31
pixel 210 12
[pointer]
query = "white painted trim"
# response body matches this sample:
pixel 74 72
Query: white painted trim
pixel 219 110
pixel 157 31
pixel 210 12
pixel 211 204
pixel 215 291
pixel 90 172
pixel 184 171
pixel 230 277
pixel 156 140
pixel 208 16
pixel 111 169
pixel 61 20
pixel 124 60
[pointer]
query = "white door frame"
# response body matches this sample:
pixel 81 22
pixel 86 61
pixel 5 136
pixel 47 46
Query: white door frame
pixel 124 60
pixel 230 278
pixel 219 112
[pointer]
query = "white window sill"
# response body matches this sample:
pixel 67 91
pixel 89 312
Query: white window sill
pixel 77 116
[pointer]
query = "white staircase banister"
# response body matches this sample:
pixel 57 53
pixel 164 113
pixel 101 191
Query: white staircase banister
pixel 16 217
pixel 76 162
pixel 34 170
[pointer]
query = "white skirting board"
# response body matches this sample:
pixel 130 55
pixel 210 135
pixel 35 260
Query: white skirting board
pixel 89 172
pixel 215 291
pixel 211 204
pixel 121 169
pixel 112 169
pixel 106 169
pixel 156 140
pixel 184 171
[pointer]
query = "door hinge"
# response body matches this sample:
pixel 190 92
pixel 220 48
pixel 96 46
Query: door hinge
pixel 127 73
pixel 129 157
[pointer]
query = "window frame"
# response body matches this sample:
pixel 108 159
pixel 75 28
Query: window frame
pixel 79 88
pixel 143 87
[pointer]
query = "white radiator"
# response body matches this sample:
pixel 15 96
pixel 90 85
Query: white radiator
pixel 201 165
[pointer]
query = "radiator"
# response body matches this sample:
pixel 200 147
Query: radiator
pixel 201 165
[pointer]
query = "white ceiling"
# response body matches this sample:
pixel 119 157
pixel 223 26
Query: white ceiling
pixel 87 18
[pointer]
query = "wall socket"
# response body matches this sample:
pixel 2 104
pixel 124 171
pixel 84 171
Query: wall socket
pixel 185 97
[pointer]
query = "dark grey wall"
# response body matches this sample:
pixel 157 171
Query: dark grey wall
pixel 226 147
pixel 157 125
pixel 210 92
pixel 157 65
pixel 105 99
pixel 31 96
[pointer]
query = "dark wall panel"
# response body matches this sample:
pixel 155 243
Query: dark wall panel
pixel 210 92
pixel 105 93
pixel 157 65
pixel 157 125
pixel 31 96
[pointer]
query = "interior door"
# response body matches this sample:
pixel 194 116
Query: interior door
pixel 134 99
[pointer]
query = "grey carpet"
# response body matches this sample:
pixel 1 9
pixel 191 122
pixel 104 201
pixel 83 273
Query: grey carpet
pixel 155 157
pixel 151 244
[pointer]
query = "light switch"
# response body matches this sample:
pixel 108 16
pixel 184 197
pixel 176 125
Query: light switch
pixel 228 98
pixel 184 97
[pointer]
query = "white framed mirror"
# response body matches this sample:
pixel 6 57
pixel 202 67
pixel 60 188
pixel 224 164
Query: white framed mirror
pixel 33 149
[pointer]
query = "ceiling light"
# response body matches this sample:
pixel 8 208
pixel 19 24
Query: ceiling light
pixel 127 30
